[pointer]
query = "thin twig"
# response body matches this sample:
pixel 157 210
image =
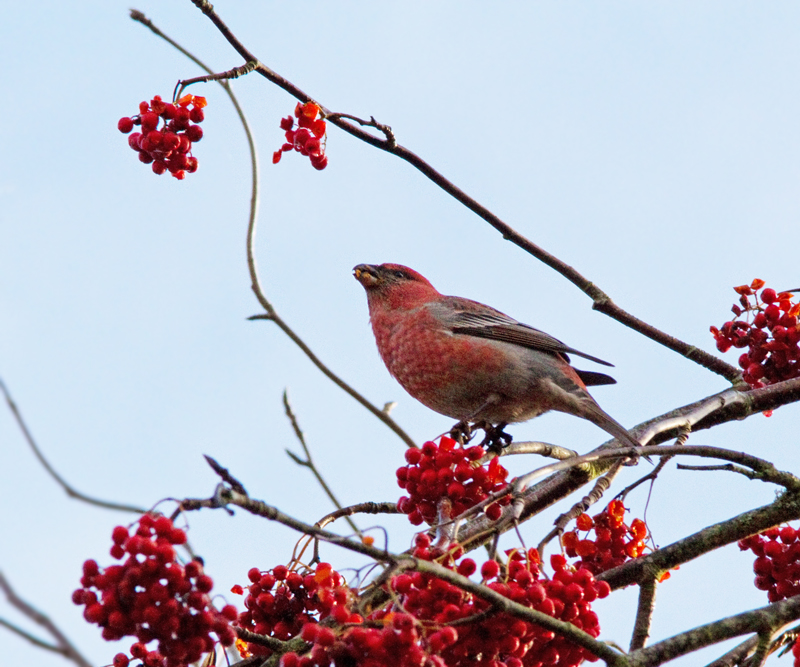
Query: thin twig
pixel 649 477
pixel 309 462
pixel 271 313
pixel 535 447
pixel 360 508
pixel 68 489
pixel 600 487
pixel 234 73
pixel 601 301
pixel 225 475
pixel 727 467
pixel 273 316
pixel 62 645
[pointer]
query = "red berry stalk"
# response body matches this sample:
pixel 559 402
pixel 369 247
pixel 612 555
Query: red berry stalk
pixel 614 541
pixel 309 138
pixel 153 597
pixel 777 563
pixel 414 629
pixel 447 478
pixel 168 147
pixel 280 602
pixel 765 322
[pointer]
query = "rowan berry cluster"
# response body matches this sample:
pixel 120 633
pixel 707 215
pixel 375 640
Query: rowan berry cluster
pixel 444 480
pixel 280 602
pixel 154 598
pixel 167 148
pixel 777 563
pixel 308 138
pixel 614 541
pixel 765 322
pixel 414 629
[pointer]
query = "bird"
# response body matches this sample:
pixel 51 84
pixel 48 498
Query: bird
pixel 473 363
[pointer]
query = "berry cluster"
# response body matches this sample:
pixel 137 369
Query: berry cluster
pixel 446 480
pixel 769 329
pixel 280 602
pixel 152 597
pixel 777 563
pixel 309 137
pixel 414 629
pixel 168 148
pixel 615 541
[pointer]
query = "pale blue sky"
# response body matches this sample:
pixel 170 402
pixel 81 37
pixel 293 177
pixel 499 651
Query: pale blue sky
pixel 653 146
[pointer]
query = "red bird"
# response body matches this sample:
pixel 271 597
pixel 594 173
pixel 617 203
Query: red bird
pixel 471 362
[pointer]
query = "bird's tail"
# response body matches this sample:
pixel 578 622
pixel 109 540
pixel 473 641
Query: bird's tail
pixel 611 426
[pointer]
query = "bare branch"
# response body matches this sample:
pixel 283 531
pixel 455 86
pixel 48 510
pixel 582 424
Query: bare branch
pixel 644 613
pixel 601 301
pixel 273 316
pixel 62 645
pixel 600 487
pixel 361 508
pixel 309 462
pixel 68 489
pixel 763 620
pixel 271 313
pixel 534 447
pixel 736 655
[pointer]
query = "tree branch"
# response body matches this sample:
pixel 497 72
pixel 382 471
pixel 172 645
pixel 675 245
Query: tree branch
pixel 271 313
pixel 68 489
pixel 601 301
pixel 644 613
pixel 62 646
pixel 309 462
pixel 763 620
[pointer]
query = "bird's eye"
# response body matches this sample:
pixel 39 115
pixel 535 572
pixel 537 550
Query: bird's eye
pixel 400 274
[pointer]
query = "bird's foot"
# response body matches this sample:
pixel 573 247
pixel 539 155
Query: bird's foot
pixel 462 432
pixel 496 439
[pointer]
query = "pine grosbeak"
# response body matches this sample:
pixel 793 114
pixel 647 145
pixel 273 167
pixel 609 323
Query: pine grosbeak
pixel 471 362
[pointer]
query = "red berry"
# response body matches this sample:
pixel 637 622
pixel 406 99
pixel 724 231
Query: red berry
pixel 319 127
pixel 125 125
pixel 194 133
pixel 490 569
pixel 768 295
pixel 319 162
pixel 149 122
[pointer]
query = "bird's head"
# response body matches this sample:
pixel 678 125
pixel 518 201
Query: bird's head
pixel 394 285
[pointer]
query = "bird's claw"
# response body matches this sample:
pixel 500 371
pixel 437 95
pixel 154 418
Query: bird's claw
pixel 495 439
pixel 462 432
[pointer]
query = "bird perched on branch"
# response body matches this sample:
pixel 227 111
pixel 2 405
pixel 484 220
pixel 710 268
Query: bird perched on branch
pixel 473 363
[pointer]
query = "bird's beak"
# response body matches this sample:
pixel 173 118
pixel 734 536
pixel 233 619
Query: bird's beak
pixel 366 274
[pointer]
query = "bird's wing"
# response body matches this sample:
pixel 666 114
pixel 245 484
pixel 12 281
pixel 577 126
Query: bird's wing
pixel 473 319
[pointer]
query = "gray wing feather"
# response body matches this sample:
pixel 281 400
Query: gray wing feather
pixel 497 326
